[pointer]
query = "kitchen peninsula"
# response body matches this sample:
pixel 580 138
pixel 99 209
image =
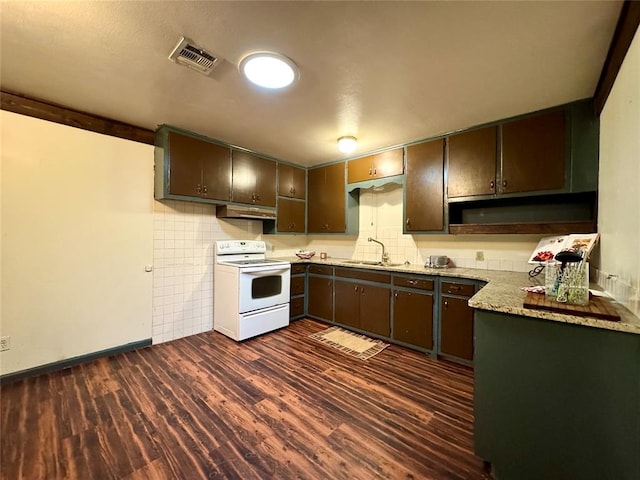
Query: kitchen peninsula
pixel 556 396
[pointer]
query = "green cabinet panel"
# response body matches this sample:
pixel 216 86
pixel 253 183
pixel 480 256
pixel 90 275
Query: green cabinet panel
pixel 556 400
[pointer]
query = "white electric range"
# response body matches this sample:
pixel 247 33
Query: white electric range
pixel 250 292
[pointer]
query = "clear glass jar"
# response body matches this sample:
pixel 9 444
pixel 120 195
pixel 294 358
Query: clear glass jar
pixel 551 279
pixel 569 284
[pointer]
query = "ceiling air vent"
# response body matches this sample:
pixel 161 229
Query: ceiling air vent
pixel 190 55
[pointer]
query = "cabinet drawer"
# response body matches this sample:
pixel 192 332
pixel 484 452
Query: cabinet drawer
pixel 297 286
pixel 321 269
pixel 297 268
pixel 370 276
pixel 419 283
pixel 463 289
pixel 296 307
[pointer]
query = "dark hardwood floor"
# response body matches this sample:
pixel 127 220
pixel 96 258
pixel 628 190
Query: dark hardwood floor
pixel 278 406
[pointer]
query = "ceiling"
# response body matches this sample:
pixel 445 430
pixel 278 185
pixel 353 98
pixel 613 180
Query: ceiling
pixel 387 72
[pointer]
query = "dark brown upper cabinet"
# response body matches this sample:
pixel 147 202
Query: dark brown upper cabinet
pixel 198 168
pixel 424 188
pixel 473 162
pixel 290 216
pixel 327 199
pixel 291 181
pixel 253 179
pixel 533 153
pixel 380 165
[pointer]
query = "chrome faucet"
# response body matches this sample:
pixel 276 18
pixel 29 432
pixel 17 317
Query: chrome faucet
pixel 385 255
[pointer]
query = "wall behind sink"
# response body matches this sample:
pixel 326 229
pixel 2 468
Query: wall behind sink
pixel 381 218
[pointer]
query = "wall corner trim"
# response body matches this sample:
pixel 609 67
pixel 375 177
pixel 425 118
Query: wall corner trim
pixel 24 105
pixel 626 29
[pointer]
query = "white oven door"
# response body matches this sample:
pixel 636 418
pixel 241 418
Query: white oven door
pixel 264 286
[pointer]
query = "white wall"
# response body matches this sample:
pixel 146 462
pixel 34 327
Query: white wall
pixel 77 233
pixel 619 185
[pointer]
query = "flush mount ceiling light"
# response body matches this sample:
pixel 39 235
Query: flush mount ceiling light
pixel 269 69
pixel 347 144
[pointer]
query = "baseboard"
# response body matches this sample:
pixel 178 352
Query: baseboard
pixel 70 362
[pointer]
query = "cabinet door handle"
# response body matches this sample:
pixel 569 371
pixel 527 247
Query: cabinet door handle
pixel 374 171
pixel 370 171
pixel 408 221
pixel 446 304
pixel 412 282
pixel 205 190
pixel 355 288
pixel 198 188
pixel 504 183
pixel 492 184
pixel 395 295
pixel 291 190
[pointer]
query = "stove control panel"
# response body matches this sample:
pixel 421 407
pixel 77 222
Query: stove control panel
pixel 233 247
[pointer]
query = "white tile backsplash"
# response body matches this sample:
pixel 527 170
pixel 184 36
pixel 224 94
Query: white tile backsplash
pixel 183 265
pixel 184 234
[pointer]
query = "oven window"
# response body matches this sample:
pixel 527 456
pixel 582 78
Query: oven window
pixel 264 287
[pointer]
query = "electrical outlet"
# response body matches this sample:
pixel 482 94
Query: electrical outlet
pixel 5 343
pixel 479 256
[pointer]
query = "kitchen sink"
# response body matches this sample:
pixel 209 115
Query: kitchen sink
pixel 371 262
pixel 363 262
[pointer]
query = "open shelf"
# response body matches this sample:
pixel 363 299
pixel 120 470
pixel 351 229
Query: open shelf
pixel 548 214
pixel 551 228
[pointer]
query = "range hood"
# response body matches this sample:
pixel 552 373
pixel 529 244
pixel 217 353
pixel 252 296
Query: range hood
pixel 245 212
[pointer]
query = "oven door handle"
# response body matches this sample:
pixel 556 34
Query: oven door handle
pixel 265 269
pixel 262 311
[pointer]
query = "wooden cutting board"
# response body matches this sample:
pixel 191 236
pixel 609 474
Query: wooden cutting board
pixel 598 307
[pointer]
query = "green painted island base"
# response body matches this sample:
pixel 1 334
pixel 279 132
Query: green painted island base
pixel 555 400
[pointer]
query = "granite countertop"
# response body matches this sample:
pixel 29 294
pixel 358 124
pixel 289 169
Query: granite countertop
pixel 502 292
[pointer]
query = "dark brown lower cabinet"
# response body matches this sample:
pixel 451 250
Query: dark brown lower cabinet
pixel 347 303
pixel 297 291
pixel 413 318
pixel 296 308
pixel 375 312
pixel 320 303
pixel 363 306
pixel 297 286
pixel 456 327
